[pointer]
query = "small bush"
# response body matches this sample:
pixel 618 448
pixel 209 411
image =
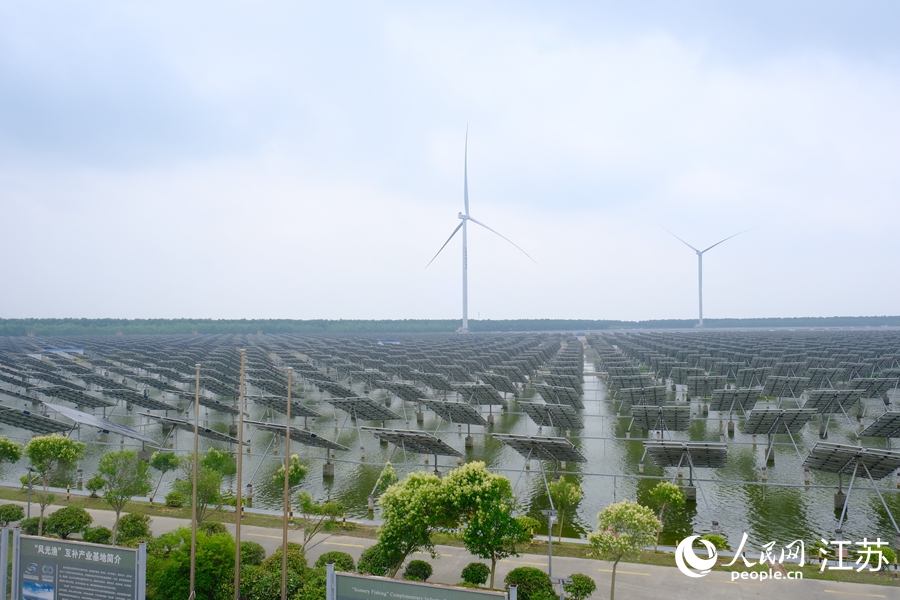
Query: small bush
pixel 133 528
pixel 66 521
pixel 10 513
pixel 375 560
pixel 30 526
pixel 719 542
pixel 175 499
pixel 533 584
pixel 35 480
pixel 418 570
pixel 213 527
pixel 342 561
pixel 94 485
pixel 581 587
pixel 476 573
pixel 296 560
pixel 97 535
pixel 252 553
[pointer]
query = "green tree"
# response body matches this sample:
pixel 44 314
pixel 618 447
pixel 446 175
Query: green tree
pixel 411 511
pixel 209 491
pixel 94 485
pixel 163 462
pixel 133 529
pixel 531 583
pixel 68 520
pixel 566 497
pixel 51 455
pixel 169 563
pixel 10 513
pixel 624 529
pixel 10 451
pixel 295 475
pixel 386 479
pixel 666 495
pixel 581 587
pixel 220 461
pixel 126 476
pixel 314 516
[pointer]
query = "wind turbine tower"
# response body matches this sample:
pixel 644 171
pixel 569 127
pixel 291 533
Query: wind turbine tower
pixel 700 254
pixel 464 219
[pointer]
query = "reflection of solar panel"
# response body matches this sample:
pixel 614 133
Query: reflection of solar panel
pixel 701 454
pixel 280 405
pixel 139 400
pixel 25 419
pixel 832 401
pixel 501 383
pixel 186 426
pixel 559 395
pixel 457 412
pixel 885 426
pixel 335 389
pixel 365 409
pixel 479 393
pixel 414 441
pixel 774 420
pixel 554 415
pixel 840 458
pixel 541 447
pixel 785 387
pixel 874 388
pixel 435 381
pixel 404 391
pixel 104 425
pixel 728 400
pixel 671 418
pixel 655 395
pixel 305 437
pixel 704 386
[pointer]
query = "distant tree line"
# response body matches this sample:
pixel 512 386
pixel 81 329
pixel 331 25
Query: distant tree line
pixel 76 327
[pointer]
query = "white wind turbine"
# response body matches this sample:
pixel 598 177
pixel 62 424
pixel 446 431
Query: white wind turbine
pixel 464 218
pixel 700 254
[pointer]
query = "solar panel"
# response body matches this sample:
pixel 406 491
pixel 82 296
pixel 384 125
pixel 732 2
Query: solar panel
pixel 704 386
pixel 671 418
pixel 76 397
pixel 555 415
pixel 775 420
pixel 280 405
pixel 885 426
pixel 479 393
pixel 414 441
pixel 25 419
pixel 404 391
pixel 570 381
pixel 832 401
pixel 629 381
pixel 752 377
pixel 456 412
pixel 139 400
pixel 702 454
pixel 304 436
pixel 785 387
pixel 501 383
pixel 541 447
pixel 435 381
pixel 335 389
pixel 874 388
pixel 365 409
pixel 104 425
pixel 559 395
pixel 728 400
pixel 655 395
pixel 841 458
pixel 186 426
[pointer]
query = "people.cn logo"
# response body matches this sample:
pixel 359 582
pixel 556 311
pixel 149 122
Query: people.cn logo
pixel 689 563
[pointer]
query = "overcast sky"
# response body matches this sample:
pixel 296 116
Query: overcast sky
pixel 305 160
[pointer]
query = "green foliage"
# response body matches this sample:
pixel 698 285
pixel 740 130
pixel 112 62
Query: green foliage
pixel 34 477
pixel 378 560
pixel 532 583
pixel 314 516
pixel 418 570
pixel 175 499
pixel 566 497
pixel 163 462
pixel 386 479
pixel 528 524
pixel 666 495
pixel 94 485
pixel 213 527
pixel 97 535
pixel 296 560
pixel 581 587
pixel 412 509
pixel 10 451
pixel 30 526
pixel 209 494
pixel 50 455
pixel 10 513
pixel 252 553
pixel 295 475
pixel 134 528
pixel 719 542
pixel 342 561
pixel 624 529
pixel 126 476
pixel 476 573
pixel 168 569
pixel 219 461
pixel 66 521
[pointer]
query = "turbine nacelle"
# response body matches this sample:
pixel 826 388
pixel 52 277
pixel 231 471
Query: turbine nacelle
pixel 462 216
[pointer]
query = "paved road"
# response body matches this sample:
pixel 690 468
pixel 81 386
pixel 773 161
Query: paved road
pixel 633 581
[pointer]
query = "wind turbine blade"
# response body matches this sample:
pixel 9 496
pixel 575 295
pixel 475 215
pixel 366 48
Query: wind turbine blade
pixel 726 239
pixel 445 243
pixel 681 240
pixel 503 236
pixel 466 172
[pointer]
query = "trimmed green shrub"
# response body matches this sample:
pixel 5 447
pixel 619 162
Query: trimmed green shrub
pixel 134 528
pixel 476 573
pixel 418 570
pixel 94 485
pixel 175 499
pixel 296 560
pixel 719 542
pixel 533 584
pixel 252 553
pixel 376 560
pixel 97 535
pixel 213 527
pixel 10 513
pixel 66 521
pixel 581 587
pixel 342 561
pixel 30 526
